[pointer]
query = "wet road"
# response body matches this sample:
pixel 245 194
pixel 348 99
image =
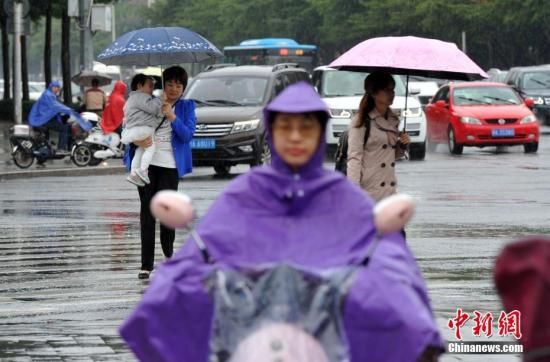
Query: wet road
pixel 69 246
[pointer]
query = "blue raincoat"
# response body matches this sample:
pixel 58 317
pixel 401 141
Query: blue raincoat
pixel 47 107
pixel 314 219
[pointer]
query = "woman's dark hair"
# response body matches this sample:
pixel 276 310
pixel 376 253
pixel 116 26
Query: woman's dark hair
pixel 139 79
pixel 374 82
pixel 175 73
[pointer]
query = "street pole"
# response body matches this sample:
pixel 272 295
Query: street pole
pixel 464 42
pixel 113 24
pixel 18 11
pixel 86 46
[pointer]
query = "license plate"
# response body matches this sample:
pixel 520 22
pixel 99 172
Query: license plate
pixel 203 143
pixel 503 132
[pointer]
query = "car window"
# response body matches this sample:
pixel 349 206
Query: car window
pixel 511 78
pixel 441 95
pixel 341 83
pixel 535 80
pixel 228 91
pixel 281 82
pixel 469 96
pixel 302 76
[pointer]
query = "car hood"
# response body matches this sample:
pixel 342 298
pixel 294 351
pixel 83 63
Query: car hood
pixel 353 102
pixel 488 112
pixel 227 114
pixel 536 92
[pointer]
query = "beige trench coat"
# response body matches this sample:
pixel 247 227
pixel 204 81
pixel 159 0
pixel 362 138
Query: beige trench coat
pixel 372 166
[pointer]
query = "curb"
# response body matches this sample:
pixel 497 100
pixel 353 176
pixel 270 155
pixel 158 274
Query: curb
pixel 84 171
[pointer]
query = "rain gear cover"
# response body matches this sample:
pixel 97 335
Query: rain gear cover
pixel 313 219
pixel 114 110
pixel 48 107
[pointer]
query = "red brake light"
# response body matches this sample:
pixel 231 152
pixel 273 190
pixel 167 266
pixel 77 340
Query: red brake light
pixel 283 51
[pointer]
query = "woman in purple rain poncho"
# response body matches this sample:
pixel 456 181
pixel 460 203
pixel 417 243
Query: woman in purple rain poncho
pixel 296 212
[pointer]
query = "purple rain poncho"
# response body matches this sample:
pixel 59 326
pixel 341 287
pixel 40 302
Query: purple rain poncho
pixel 313 218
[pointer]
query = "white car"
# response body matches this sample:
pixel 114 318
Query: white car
pixel 35 90
pixel 343 90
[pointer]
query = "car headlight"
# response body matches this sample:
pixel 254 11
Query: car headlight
pixel 413 112
pixel 528 119
pixel 340 113
pixel 538 100
pixel 470 120
pixel 245 126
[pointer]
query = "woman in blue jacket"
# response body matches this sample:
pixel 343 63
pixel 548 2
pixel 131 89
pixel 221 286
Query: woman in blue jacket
pixel 172 160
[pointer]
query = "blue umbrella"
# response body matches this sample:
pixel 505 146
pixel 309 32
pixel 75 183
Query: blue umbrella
pixel 157 46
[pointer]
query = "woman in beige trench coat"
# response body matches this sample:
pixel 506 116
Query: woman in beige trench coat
pixel 371 165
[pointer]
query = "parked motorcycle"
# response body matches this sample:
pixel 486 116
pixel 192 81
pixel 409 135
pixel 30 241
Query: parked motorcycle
pixel 28 144
pixel 97 146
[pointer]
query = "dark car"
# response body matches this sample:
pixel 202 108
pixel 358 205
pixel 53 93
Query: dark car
pixel 533 82
pixel 230 100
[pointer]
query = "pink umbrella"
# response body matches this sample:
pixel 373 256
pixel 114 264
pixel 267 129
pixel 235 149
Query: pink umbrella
pixel 410 55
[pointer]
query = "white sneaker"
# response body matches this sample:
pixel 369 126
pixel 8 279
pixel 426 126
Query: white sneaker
pixel 142 174
pixel 134 179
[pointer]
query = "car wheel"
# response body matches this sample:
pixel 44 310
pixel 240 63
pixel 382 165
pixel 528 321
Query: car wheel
pixel 222 170
pixel 453 147
pixel 417 151
pixel 81 155
pixel 264 156
pixel 531 147
pixel 22 158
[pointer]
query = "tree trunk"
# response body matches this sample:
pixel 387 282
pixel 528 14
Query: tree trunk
pixel 48 44
pixel 66 56
pixel 5 54
pixel 24 68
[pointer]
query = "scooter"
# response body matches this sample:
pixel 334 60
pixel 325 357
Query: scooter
pixel 97 146
pixel 302 319
pixel 28 144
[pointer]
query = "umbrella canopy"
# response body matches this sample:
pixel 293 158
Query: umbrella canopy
pixel 158 46
pixel 522 278
pixel 85 77
pixel 409 55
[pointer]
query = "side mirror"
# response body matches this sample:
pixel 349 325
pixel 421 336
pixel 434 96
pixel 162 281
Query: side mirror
pixel 414 91
pixel 529 102
pixel 441 104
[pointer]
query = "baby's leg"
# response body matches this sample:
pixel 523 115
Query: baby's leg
pixel 137 160
pixel 147 157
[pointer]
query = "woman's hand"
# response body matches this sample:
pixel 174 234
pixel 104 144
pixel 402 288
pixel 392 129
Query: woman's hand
pixel 144 143
pixel 404 138
pixel 168 112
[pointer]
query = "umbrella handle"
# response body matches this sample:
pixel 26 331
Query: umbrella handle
pixel 405 110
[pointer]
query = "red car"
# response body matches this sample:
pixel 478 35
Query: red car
pixel 481 114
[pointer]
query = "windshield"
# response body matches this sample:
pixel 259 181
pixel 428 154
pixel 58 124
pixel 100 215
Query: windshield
pixel 340 83
pixel 473 96
pixel 228 91
pixel 536 80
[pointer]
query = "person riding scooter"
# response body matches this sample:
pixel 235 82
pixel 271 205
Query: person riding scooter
pixel 291 212
pixel 50 113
